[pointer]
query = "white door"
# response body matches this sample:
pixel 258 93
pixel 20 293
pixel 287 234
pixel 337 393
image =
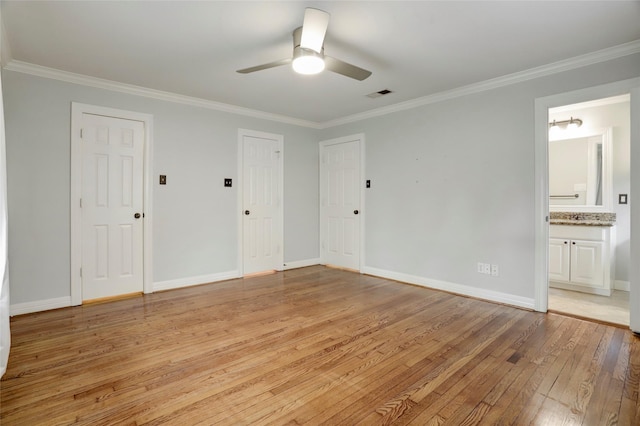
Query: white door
pixel 586 262
pixel 112 206
pixel 261 202
pixel 558 259
pixel 340 202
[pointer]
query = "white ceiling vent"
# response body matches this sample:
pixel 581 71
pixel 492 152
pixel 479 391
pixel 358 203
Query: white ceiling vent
pixel 379 93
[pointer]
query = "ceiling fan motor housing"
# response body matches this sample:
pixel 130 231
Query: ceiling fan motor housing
pixel 303 51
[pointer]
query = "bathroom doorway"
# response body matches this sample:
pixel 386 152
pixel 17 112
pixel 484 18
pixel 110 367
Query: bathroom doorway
pixel 589 215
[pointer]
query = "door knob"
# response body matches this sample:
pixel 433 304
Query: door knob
pixel 137 215
pixel 247 212
pixel 356 212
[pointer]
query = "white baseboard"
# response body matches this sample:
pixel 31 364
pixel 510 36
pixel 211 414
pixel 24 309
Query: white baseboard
pixel 39 305
pixel 300 264
pixel 622 285
pixel 493 296
pixel 479 293
pixel 190 281
pixel 204 279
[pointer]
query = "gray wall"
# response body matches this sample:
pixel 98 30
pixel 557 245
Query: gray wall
pixel 452 183
pixel 195 217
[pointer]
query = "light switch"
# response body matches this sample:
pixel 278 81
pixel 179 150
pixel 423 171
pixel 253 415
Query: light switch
pixel 622 198
pixel 227 182
pixel 163 179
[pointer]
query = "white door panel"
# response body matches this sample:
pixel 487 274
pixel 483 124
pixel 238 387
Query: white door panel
pixel 340 195
pixel 586 262
pixel 558 259
pixel 261 204
pixel 349 247
pixel 112 193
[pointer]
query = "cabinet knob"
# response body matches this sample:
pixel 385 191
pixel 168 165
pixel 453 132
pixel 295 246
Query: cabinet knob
pixel 574 243
pixel 565 242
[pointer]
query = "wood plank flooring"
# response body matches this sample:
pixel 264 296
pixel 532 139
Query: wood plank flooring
pixel 316 346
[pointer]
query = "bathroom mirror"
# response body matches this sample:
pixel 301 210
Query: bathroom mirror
pixel 580 171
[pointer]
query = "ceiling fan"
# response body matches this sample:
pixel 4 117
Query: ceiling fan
pixel 308 50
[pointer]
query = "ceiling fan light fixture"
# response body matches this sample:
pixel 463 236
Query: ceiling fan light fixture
pixel 308 50
pixel 307 61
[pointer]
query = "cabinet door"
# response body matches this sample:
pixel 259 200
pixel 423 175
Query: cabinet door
pixel 558 259
pixel 586 263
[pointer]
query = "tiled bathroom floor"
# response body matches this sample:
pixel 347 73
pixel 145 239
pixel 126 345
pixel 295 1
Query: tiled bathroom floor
pixel 613 309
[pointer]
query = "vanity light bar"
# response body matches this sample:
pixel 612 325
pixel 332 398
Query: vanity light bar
pixel 564 196
pixel 572 120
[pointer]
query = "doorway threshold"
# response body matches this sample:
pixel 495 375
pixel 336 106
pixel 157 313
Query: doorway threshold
pixel 612 310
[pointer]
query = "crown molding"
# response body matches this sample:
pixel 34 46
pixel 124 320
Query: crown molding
pixel 100 83
pixel 507 80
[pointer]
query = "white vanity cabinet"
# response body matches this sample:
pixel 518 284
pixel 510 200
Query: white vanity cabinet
pixel 581 258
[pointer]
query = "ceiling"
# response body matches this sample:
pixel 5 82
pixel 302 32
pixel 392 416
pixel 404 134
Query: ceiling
pixel 415 49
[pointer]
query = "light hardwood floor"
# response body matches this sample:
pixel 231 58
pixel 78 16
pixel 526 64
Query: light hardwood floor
pixel 316 346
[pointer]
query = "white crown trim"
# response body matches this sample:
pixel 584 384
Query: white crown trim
pixel 101 83
pixel 494 83
pixel 603 55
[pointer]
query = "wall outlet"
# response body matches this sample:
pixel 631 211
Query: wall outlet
pixel 488 269
pixel 484 268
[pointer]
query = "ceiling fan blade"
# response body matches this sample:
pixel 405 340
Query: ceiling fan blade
pixel 341 67
pixel 314 28
pixel 265 66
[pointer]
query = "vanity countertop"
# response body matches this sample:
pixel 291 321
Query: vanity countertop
pixel 582 218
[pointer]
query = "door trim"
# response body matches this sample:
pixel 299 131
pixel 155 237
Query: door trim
pixel 360 137
pixel 77 109
pixel 279 266
pixel 541 141
pixel 634 267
